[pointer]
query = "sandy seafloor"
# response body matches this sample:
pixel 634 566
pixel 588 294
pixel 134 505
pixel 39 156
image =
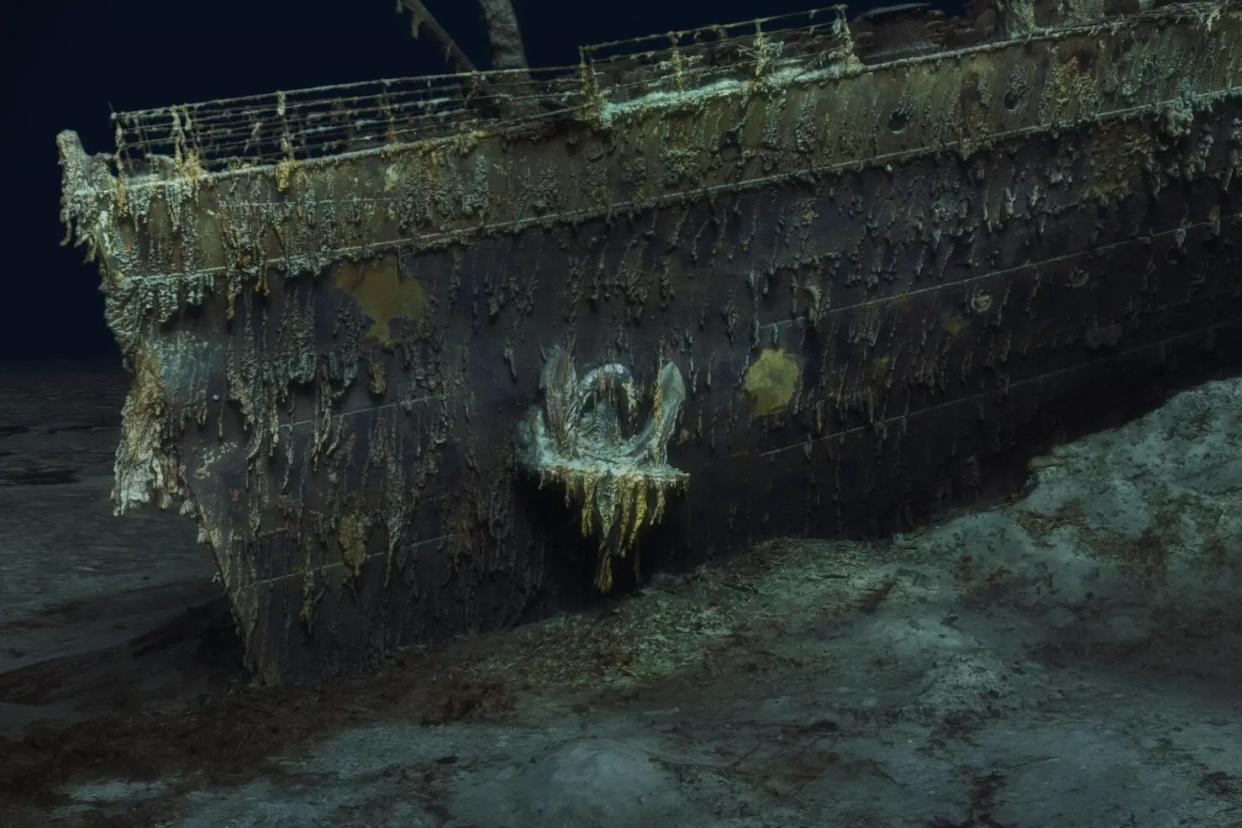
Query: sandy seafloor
pixel 1070 658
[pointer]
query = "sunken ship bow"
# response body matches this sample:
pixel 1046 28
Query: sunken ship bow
pixel 443 354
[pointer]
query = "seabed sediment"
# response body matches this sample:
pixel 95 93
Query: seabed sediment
pixel 1066 658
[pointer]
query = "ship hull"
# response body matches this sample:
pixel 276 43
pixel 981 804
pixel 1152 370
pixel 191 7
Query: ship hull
pixel 885 288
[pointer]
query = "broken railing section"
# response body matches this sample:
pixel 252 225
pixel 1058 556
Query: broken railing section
pixel 421 18
pixel 584 438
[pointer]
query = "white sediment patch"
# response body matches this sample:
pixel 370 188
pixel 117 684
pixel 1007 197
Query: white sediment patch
pixel 611 111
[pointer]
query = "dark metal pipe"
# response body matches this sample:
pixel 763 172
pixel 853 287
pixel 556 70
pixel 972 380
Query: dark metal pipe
pixel 502 29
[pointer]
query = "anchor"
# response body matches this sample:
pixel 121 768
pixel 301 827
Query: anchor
pixel 582 438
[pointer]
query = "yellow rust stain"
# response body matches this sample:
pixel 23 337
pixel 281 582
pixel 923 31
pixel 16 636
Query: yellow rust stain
pixel 772 380
pixel 308 595
pixel 974 115
pixel 383 295
pixel 1074 88
pixel 352 534
pixel 954 324
pixel 284 174
pixel 392 177
pixel 1117 161
pixel 378 383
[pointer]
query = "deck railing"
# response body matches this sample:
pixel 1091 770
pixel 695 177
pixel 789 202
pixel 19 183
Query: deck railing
pixel 330 120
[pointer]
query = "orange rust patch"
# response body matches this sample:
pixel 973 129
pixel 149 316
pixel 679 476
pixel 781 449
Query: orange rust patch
pixel 383 295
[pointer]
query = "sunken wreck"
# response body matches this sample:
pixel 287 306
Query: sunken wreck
pixel 437 355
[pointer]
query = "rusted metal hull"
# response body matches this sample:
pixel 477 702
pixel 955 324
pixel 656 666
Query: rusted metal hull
pixel 885 287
